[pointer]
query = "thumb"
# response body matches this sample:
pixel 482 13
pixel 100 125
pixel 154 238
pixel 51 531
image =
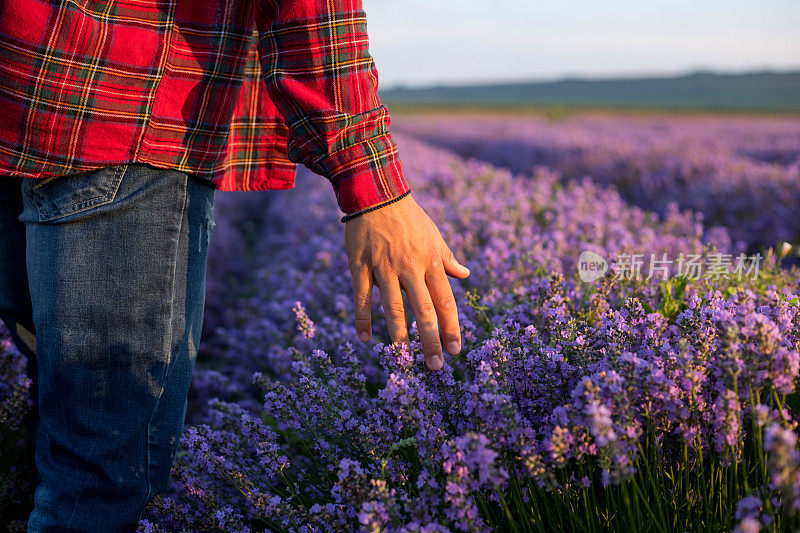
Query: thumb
pixel 451 265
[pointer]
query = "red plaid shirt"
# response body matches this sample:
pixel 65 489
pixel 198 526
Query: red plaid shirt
pixel 234 91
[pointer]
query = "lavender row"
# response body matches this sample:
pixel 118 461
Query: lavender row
pixel 509 230
pixel 742 173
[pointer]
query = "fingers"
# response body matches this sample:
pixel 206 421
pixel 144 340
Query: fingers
pixel 362 302
pixel 393 306
pixel 445 304
pixel 425 315
pixel 451 265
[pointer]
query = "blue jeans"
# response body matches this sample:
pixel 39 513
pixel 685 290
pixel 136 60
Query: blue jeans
pixel 102 277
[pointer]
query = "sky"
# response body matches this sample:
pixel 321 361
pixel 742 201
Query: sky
pixel 428 42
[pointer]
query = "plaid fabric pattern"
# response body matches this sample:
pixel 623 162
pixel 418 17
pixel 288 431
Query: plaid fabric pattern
pixel 237 92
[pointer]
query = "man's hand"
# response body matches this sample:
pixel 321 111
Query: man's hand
pixel 398 247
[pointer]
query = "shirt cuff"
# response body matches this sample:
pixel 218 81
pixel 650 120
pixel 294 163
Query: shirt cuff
pixel 351 216
pixel 367 173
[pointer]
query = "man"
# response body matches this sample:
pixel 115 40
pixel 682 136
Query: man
pixel 119 121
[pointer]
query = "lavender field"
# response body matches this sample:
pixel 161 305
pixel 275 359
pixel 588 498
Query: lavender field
pixel 741 173
pixel 652 403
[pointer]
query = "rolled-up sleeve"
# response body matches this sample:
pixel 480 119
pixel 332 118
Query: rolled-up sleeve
pixel 319 73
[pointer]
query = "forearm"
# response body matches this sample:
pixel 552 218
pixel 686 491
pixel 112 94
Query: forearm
pixel 318 70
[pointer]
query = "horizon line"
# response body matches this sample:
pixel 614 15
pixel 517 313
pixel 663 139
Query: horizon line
pixel 590 77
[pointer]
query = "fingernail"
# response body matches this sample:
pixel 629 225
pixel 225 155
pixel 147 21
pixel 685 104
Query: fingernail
pixel 453 347
pixel 436 362
pixel 363 336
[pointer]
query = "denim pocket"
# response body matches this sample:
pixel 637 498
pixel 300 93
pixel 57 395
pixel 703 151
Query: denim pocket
pixel 60 196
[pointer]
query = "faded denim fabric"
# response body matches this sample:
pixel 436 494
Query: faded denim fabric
pixel 107 270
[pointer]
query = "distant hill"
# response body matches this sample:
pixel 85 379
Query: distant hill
pixel 756 91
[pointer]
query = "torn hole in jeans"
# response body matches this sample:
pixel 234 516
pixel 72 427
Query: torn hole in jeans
pixel 210 224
